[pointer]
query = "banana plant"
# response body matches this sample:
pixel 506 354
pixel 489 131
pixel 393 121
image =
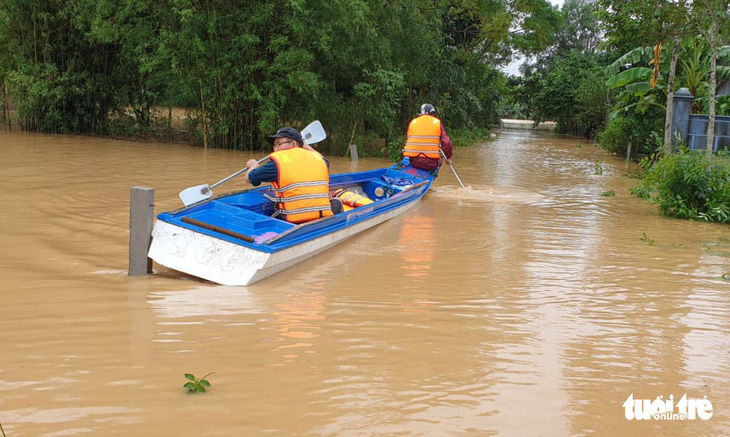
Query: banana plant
pixel 632 85
pixel 695 74
pixel 630 76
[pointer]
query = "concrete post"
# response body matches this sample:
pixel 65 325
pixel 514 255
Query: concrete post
pixel 680 120
pixel 353 152
pixel 141 218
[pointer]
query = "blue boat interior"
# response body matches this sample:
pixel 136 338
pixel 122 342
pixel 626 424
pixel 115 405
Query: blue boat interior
pixel 245 217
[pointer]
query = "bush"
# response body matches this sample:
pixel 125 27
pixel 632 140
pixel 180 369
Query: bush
pixel 615 138
pixel 394 149
pixel 590 98
pixel 467 137
pixel 686 185
pixel 643 130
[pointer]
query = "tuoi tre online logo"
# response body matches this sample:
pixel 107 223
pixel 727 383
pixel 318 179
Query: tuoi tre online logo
pixel 660 409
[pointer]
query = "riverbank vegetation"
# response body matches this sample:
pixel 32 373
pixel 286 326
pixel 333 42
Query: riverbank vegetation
pixel 362 67
pixel 689 185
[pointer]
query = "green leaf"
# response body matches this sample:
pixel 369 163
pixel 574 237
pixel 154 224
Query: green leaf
pixel 632 57
pixel 189 385
pixel 638 88
pixel 632 75
pixel 190 376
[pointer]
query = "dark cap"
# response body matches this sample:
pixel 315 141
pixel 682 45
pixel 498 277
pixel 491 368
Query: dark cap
pixel 286 132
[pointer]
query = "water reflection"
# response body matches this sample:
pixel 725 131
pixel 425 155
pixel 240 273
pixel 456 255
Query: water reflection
pixel 204 300
pixel 298 319
pixel 416 240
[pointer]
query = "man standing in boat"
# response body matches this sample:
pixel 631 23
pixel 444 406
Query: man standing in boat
pixel 299 176
pixel 425 140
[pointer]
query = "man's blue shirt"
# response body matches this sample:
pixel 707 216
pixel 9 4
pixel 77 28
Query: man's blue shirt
pixel 268 172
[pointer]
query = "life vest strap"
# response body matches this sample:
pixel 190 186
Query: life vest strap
pixel 281 190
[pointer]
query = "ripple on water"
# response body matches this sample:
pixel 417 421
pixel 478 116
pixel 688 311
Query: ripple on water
pixel 494 194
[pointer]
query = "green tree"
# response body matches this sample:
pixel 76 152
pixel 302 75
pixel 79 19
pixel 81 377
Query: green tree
pixel 59 81
pixel 570 92
pixel 248 67
pixel 565 83
pixel 630 23
pixel 5 64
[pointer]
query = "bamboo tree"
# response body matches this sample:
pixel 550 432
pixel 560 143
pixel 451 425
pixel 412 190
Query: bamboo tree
pixel 248 67
pixel 4 66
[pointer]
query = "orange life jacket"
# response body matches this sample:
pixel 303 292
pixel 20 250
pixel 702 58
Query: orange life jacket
pixel 302 189
pixel 351 200
pixel 423 138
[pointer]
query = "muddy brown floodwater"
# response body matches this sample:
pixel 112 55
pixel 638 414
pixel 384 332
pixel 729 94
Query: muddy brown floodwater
pixel 527 304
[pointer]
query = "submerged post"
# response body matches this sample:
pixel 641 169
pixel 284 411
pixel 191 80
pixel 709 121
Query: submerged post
pixel 141 217
pixel 353 152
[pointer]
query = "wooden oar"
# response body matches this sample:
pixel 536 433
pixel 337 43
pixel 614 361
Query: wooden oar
pixel 313 133
pixel 452 168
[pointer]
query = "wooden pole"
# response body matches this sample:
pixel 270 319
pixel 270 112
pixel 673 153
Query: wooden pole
pixel 141 218
pixel 205 120
pixel 353 152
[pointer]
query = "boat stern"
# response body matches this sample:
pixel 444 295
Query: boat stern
pixel 203 256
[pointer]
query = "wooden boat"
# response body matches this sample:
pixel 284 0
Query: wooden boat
pixel 234 240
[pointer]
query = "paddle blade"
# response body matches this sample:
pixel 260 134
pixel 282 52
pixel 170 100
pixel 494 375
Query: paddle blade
pixel 314 132
pixel 195 194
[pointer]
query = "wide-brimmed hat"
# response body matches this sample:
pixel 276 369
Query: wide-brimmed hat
pixel 286 132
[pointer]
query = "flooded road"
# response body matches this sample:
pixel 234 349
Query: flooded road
pixel 527 304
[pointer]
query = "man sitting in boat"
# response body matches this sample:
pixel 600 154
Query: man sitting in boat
pixel 299 176
pixel 425 140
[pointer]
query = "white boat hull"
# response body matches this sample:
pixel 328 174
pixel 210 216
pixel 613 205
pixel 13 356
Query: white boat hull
pixel 227 263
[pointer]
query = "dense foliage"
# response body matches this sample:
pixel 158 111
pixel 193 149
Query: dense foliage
pixel 687 185
pixel 570 91
pixel 362 67
pixel 640 131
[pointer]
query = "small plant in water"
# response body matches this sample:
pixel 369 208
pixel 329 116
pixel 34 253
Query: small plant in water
pixel 579 146
pixel 645 238
pixel 635 172
pixel 599 167
pixel 195 385
pixel 609 193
